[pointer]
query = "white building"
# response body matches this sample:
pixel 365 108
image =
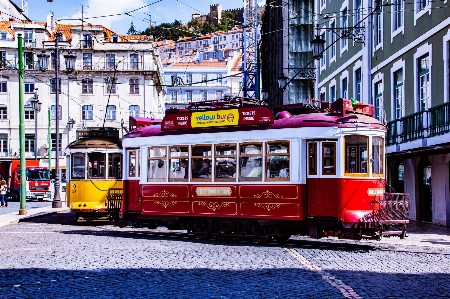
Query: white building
pixel 201 77
pixel 115 77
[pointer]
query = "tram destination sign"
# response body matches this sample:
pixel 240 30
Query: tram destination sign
pixel 244 116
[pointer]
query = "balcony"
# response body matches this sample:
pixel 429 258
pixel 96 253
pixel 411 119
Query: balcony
pixel 419 125
pixel 121 66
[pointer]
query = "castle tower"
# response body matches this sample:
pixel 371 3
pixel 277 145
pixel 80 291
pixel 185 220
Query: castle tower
pixel 215 13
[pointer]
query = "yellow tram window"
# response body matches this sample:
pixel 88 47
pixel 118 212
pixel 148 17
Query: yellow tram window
pixel 250 161
pixel 115 166
pixel 78 167
pixel 225 162
pixel 377 155
pixel 96 165
pixel 356 155
pixel 277 160
pixel 179 166
pixel 201 162
pixel 157 163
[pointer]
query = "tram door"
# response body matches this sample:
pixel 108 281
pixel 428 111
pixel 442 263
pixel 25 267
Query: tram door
pixel 322 182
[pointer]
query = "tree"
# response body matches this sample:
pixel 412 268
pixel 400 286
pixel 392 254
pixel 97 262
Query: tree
pixel 208 28
pixel 132 30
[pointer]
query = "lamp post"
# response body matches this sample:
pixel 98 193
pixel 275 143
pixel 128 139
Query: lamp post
pixel 43 65
pixel 36 106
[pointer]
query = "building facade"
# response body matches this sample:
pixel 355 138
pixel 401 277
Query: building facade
pixel 115 77
pixel 396 57
pixel 287 30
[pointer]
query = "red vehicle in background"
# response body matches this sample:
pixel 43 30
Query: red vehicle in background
pixel 37 179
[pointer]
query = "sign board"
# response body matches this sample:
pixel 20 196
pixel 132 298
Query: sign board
pixel 244 116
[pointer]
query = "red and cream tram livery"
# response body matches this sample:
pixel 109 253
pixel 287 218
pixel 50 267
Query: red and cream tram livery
pixel 230 167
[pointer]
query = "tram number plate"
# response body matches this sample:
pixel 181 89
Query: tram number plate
pixel 375 191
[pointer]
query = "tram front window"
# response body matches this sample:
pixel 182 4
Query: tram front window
pixel 96 163
pixel 356 154
pixel 115 166
pixel 78 166
pixel 377 155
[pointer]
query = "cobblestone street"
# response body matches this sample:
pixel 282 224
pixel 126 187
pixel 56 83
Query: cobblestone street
pixel 51 257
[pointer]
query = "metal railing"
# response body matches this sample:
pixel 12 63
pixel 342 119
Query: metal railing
pixel 428 123
pixel 440 119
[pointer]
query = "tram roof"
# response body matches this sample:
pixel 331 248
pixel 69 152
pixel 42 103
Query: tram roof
pixel 333 117
pixel 104 143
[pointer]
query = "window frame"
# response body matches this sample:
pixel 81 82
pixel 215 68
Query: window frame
pixel 156 158
pixel 202 157
pixel 225 157
pixel 246 155
pixel 175 166
pixel 268 155
pixel 333 143
pixel 358 160
pixel 85 113
pixel 87 86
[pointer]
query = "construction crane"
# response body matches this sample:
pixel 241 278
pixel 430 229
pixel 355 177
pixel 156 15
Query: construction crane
pixel 250 49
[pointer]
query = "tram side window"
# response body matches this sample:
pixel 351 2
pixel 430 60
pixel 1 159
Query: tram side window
pixel 157 163
pixel 277 160
pixel 312 158
pixel 356 154
pixel 115 166
pixel 78 166
pixel 377 155
pixel 201 162
pixel 133 163
pixel 250 161
pixel 225 162
pixel 329 158
pixel 179 166
pixel 96 165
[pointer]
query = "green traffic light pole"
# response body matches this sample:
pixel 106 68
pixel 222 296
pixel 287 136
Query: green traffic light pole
pixel 23 199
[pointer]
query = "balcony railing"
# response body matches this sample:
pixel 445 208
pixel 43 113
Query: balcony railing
pixel 440 119
pixel 423 124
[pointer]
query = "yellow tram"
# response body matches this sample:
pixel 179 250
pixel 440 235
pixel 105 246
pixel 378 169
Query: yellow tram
pixel 94 170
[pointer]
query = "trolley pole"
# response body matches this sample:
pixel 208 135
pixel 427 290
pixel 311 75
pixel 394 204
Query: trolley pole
pixel 23 199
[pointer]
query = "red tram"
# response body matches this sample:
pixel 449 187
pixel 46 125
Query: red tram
pixel 230 167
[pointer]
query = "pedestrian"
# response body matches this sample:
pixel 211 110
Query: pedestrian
pixel 3 188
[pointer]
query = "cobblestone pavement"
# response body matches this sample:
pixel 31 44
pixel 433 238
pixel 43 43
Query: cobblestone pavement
pixel 50 257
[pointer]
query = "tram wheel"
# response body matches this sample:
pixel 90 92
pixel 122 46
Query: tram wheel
pixel 260 239
pixel 281 238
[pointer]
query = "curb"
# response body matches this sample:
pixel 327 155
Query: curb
pixel 14 217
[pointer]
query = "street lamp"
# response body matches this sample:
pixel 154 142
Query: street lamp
pixel 282 81
pixel 317 45
pixel 36 106
pixel 70 65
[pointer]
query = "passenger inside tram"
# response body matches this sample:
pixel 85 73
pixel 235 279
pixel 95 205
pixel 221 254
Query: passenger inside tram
pixel 204 171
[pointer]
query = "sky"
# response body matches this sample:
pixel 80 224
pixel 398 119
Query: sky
pixel 140 12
